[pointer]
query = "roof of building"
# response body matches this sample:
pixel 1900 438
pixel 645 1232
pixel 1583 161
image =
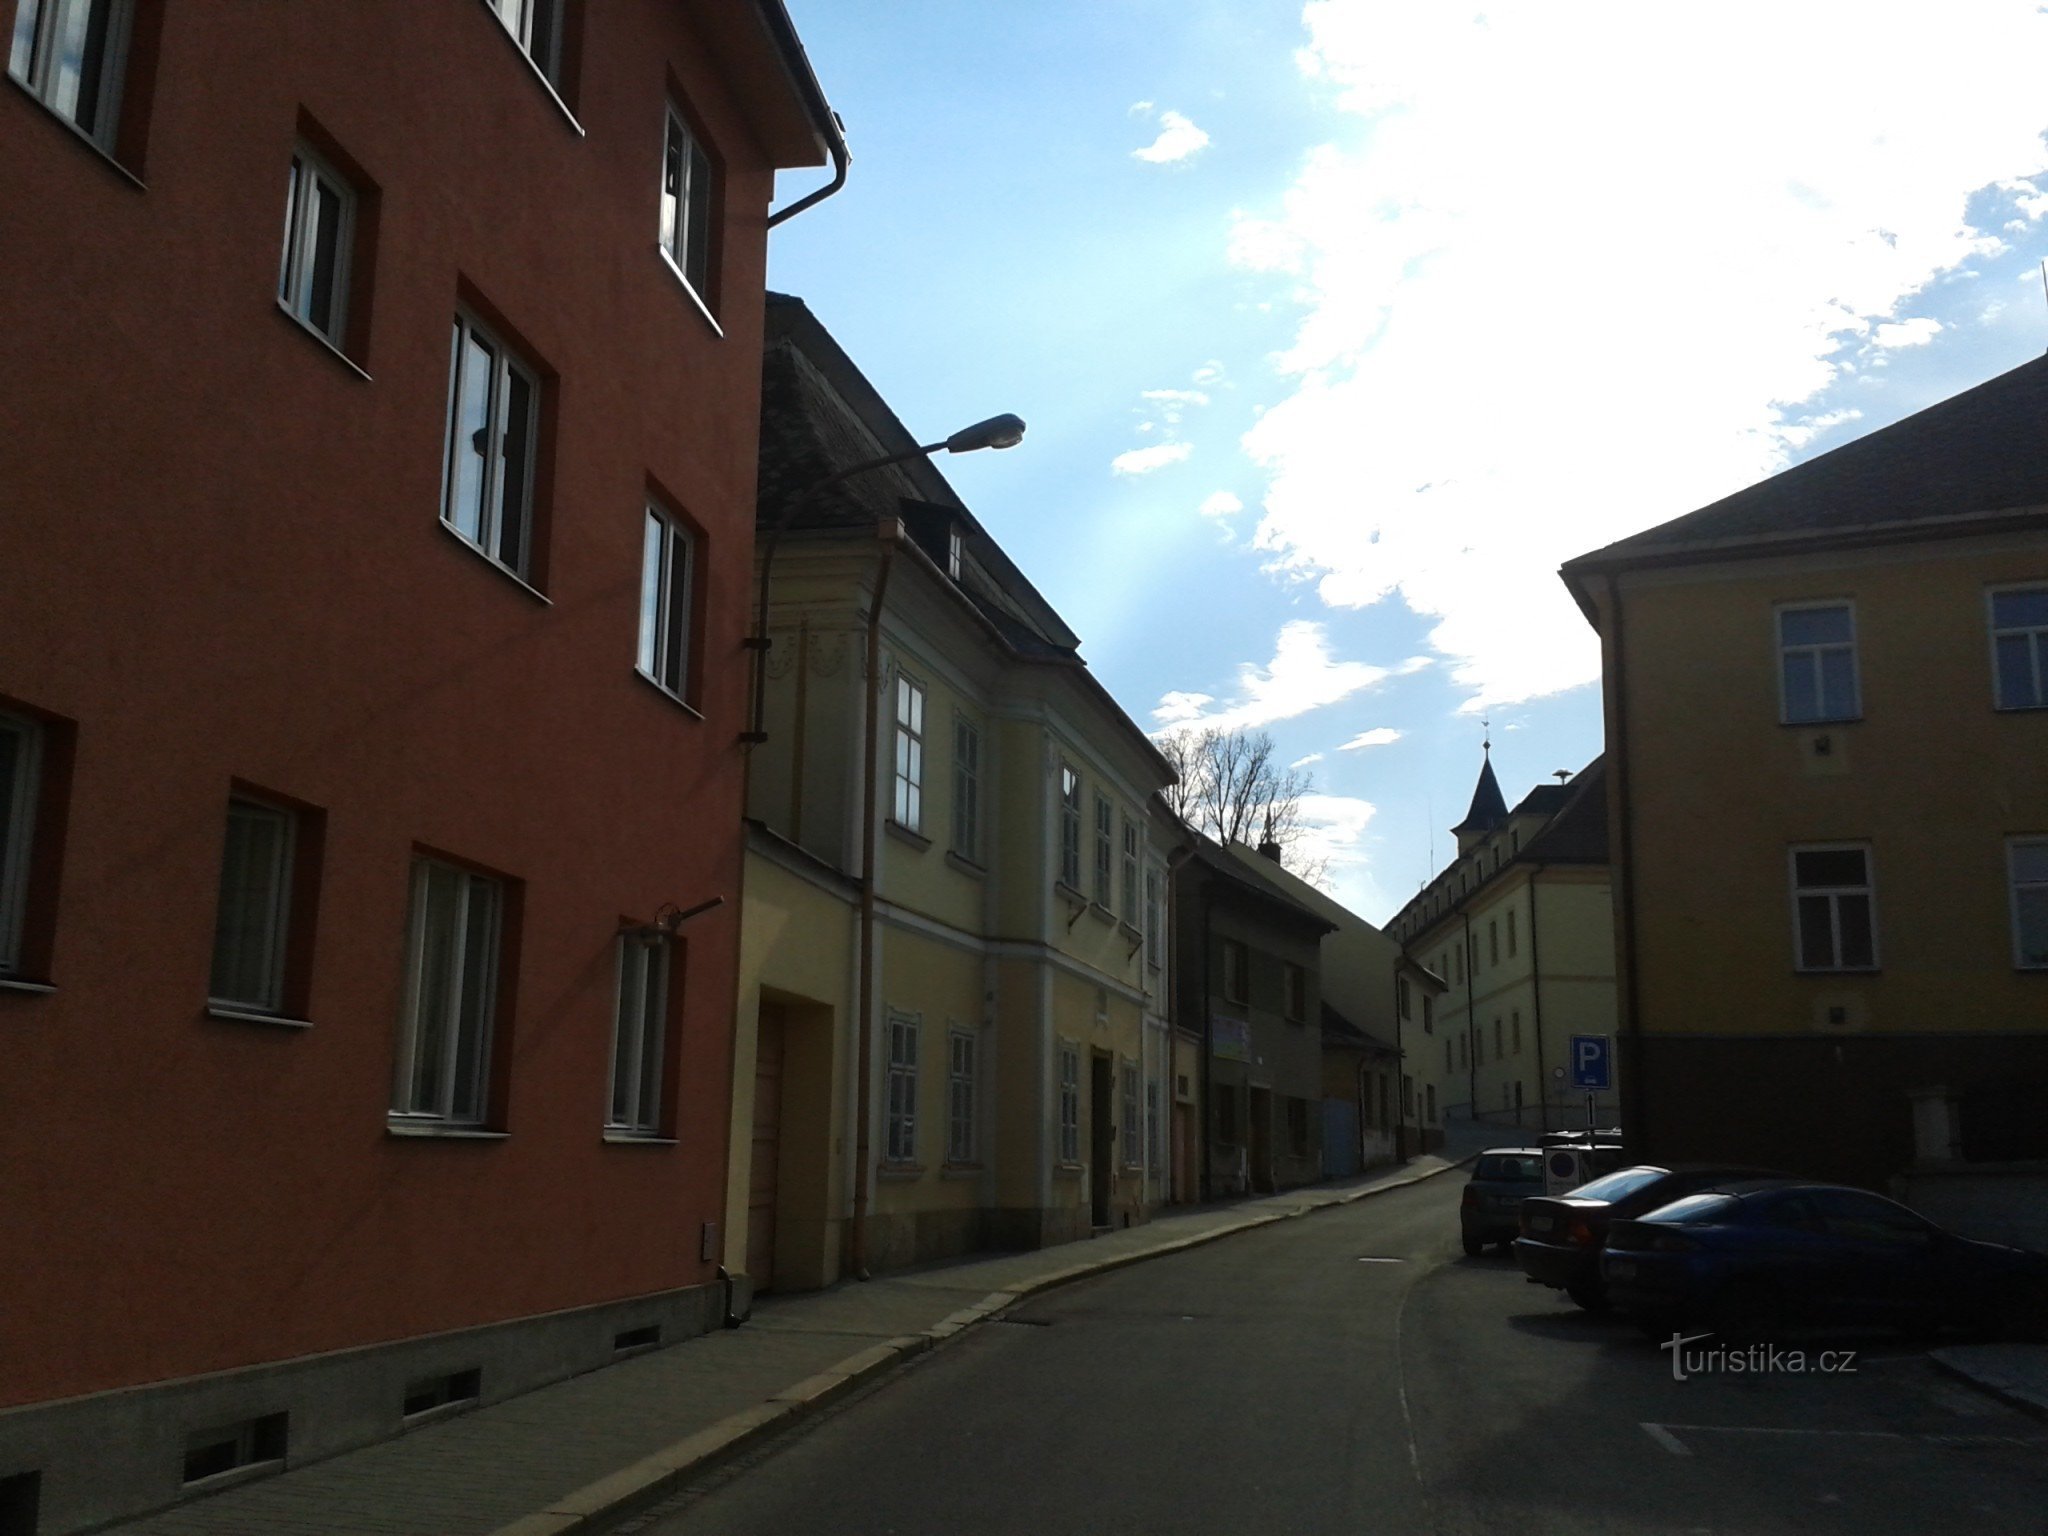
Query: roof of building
pixel 1576 833
pixel 1246 876
pixel 1341 1032
pixel 1939 472
pixel 1489 806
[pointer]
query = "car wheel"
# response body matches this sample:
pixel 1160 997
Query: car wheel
pixel 1747 1312
pixel 1473 1247
pixel 1588 1295
pixel 2018 1313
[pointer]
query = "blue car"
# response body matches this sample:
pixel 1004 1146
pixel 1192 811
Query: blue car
pixel 1753 1258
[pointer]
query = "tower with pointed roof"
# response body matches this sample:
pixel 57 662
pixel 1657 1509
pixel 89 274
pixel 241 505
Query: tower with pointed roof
pixel 1489 810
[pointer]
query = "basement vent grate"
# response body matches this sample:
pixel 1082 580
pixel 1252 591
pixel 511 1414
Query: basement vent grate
pixel 1376 1259
pixel 20 1497
pixel 636 1338
pixel 432 1392
pixel 256 1442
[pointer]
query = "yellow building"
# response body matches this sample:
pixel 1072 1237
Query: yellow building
pixel 1827 726
pixel 1520 927
pixel 967 1050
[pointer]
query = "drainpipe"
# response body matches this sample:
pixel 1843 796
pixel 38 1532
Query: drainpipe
pixel 1208 1047
pixel 1400 1061
pixel 1475 1042
pixel 1536 1001
pixel 1635 1120
pixel 888 530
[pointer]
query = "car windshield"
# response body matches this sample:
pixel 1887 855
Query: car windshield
pixel 1692 1208
pixel 1513 1167
pixel 1615 1185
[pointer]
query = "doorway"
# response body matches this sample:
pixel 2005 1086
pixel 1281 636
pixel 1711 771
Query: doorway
pixel 1262 1141
pixel 1101 1142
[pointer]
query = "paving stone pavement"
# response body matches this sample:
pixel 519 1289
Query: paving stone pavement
pixel 581 1451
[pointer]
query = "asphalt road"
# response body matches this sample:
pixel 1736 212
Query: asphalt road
pixel 1352 1372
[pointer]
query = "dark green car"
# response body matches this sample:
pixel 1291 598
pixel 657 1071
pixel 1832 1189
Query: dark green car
pixel 1491 1210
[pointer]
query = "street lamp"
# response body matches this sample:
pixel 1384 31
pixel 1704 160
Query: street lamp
pixel 1005 431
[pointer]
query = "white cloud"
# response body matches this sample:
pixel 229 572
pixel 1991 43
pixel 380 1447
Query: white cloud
pixel 1333 830
pixel 1916 332
pixel 1209 373
pixel 1143 461
pixel 1524 333
pixel 1301 676
pixel 1303 762
pixel 1378 736
pixel 1178 139
pixel 1221 505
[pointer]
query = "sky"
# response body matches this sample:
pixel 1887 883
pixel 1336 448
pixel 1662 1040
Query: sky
pixel 1340 325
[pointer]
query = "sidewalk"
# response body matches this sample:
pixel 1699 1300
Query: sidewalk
pixel 2013 1373
pixel 568 1456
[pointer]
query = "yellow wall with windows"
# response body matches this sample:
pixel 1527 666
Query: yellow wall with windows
pixel 1931 776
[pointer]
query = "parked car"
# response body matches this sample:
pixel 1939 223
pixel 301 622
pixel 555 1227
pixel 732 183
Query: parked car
pixel 1562 1235
pixel 1752 1258
pixel 1501 1180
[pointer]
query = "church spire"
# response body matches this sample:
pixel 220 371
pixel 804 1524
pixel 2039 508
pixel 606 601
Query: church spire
pixel 1489 807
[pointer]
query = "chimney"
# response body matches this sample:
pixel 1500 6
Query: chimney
pixel 1270 850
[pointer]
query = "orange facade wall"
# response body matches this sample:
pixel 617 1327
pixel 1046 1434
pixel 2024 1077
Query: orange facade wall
pixel 221 563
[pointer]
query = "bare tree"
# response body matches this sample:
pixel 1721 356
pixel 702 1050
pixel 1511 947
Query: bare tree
pixel 1232 788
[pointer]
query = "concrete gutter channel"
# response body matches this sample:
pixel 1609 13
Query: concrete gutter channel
pixel 647 1481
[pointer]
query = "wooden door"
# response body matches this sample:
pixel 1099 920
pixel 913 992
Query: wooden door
pixel 761 1179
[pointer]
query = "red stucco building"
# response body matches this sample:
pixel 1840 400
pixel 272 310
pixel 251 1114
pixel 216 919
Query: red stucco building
pixel 376 505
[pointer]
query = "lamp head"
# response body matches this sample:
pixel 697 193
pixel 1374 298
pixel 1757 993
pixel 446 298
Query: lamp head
pixel 1005 431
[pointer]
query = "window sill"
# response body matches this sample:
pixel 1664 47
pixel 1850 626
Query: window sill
pixel 442 1132
pixel 614 1137
pixel 1130 930
pixel 900 1173
pixel 232 1477
pixel 1839 970
pixel 538 73
pixel 253 1016
pixel 966 866
pixel 1101 914
pixel 30 988
pixel 961 1171
pixel 661 688
pixel 1069 894
pixel 690 288
pixel 435 1414
pixel 78 133
pixel 909 835
pixel 1068 1170
pixel 495 564
pixel 1814 725
pixel 326 342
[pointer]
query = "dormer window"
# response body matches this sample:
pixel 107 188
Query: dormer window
pixel 956 548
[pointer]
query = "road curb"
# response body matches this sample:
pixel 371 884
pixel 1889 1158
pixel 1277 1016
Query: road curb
pixel 654 1477
pixel 1991 1385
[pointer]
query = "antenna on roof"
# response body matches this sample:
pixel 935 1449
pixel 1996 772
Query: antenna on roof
pixel 1562 775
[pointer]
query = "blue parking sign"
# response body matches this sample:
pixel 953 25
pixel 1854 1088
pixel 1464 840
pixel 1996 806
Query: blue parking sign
pixel 1592 1061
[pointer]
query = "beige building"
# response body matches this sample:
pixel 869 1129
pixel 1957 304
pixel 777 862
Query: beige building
pixel 1827 725
pixel 1520 927
pixel 965 1050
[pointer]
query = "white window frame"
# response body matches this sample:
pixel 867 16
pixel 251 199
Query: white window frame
pixel 1104 893
pixel 900 1130
pixel 689 196
pixel 1070 1101
pixel 1813 654
pixel 1070 825
pixel 908 809
pixel 265 920
pixel 2034 884
pixel 668 574
pixel 1833 895
pixel 298 267
pixel 1130 872
pixel 2035 634
pixel 966 788
pixel 962 1133
pixel 536 26
pixel 640 1035
pixel 1155 921
pixel 18 810
pixel 487 535
pixel 1154 1150
pixel 470 1000
pixel 34 53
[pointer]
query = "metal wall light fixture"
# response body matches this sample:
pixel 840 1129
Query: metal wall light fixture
pixel 668 917
pixel 1005 431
